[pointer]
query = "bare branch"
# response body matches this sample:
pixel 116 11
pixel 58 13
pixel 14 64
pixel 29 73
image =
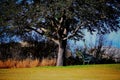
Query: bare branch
pixel 75 31
pixel 39 31
pixel 43 29
pixel 61 20
pixel 55 40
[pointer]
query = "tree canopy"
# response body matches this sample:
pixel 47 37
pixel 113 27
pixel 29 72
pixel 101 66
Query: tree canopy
pixel 59 20
pixel 100 15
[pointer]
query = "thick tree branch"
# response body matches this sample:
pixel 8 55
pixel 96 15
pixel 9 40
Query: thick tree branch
pixel 75 31
pixel 54 40
pixel 41 31
pixel 44 30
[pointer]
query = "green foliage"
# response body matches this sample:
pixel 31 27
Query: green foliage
pixel 95 13
pixel 59 20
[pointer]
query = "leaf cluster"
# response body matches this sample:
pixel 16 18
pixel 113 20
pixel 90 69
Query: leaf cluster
pixel 26 15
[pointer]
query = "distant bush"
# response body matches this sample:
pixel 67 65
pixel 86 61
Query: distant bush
pixel 34 50
pixel 15 55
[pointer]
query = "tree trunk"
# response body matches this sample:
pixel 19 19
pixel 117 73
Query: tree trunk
pixel 61 59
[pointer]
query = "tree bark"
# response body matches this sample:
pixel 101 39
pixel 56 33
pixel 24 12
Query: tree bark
pixel 61 59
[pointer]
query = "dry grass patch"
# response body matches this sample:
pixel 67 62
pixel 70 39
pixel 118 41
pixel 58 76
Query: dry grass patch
pixel 48 62
pixel 10 63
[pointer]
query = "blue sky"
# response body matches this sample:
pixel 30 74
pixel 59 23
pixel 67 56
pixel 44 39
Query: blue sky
pixel 115 38
pixel 112 39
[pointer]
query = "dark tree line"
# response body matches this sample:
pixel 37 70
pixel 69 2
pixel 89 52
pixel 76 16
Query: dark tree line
pixel 33 50
pixel 59 20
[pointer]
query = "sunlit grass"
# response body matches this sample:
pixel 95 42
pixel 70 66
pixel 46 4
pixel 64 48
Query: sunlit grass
pixel 82 72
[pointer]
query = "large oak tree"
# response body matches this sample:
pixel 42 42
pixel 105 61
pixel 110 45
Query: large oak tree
pixel 59 20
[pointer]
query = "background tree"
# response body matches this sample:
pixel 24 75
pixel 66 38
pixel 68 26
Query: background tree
pixel 59 20
pixel 97 49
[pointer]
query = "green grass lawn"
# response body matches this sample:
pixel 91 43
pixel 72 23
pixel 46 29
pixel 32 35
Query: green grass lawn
pixel 82 72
